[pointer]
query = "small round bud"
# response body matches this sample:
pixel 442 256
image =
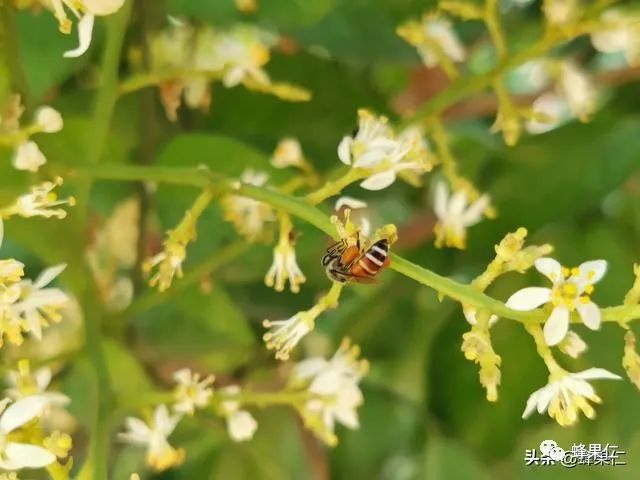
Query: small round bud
pixel 28 156
pixel 49 119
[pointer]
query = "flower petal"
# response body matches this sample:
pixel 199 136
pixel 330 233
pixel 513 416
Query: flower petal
pixel 23 455
pixel 350 202
pixel 529 298
pixel 369 159
pixel 556 326
pixel 241 426
pixel 473 214
pixel 596 374
pixel 457 203
pixel 589 314
pixel 85 32
pixel 379 180
pixel 592 271
pixel 344 150
pixel 441 200
pixel 550 268
pixel 21 412
pixel 47 276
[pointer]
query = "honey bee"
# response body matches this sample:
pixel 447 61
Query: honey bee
pixel 345 261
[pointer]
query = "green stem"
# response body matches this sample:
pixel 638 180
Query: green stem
pixel 492 20
pixel 152 79
pixel 468 85
pixel 463 293
pixel 263 399
pixel 333 188
pixel 544 351
pixel 12 78
pixel 98 457
pixel 151 298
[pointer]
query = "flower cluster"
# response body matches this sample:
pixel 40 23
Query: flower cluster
pixel 26 414
pixel 435 40
pixel 189 58
pixel 27 306
pixel 334 392
pixel 249 216
pixel 27 155
pixel 324 392
pixel 382 155
pixel 169 260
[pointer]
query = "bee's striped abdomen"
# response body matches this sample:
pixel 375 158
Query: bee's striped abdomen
pixel 374 259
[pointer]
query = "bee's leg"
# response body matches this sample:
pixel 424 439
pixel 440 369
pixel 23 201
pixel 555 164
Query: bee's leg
pixel 328 258
pixel 338 275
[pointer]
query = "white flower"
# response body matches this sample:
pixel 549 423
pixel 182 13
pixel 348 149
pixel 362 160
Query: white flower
pixel 433 37
pixel 42 201
pixel 85 11
pixel 28 156
pixel 553 111
pixel 240 423
pixel 23 383
pixel 48 119
pixel 37 305
pixel 249 216
pixel 285 334
pixel 14 455
pixel 441 32
pixel 160 454
pixel 455 215
pixel 191 392
pixel 622 34
pixel 335 394
pixel 374 146
pixel 362 223
pixel 288 154
pixel 568 394
pixel 576 87
pixel 570 291
pixel 371 143
pixel 284 267
pixel 240 54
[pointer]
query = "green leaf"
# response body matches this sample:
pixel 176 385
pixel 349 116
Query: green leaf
pixel 208 326
pixel 41 49
pixel 447 459
pixel 127 376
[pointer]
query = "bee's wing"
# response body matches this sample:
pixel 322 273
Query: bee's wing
pixel 334 251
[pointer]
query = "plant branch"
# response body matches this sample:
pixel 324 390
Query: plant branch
pixel 463 293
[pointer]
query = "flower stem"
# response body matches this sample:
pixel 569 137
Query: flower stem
pixel 492 20
pixel 543 349
pixel 12 78
pixel 334 187
pixel 463 293
pixel 153 297
pixel 98 458
pixel 263 399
